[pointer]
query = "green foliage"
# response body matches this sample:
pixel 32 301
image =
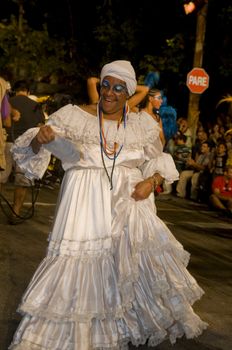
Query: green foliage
pixel 32 54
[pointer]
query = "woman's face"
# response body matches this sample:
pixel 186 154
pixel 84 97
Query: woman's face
pixel 113 94
pixel 156 100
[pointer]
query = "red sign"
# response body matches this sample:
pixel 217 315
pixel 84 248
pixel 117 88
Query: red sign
pixel 197 80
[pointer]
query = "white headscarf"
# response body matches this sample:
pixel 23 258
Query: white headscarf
pixel 121 70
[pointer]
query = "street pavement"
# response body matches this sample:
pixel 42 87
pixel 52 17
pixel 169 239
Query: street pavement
pixel 205 235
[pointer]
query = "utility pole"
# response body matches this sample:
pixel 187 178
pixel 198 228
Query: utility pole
pixel 194 99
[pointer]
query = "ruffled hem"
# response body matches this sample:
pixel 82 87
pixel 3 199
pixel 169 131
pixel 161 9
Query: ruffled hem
pixel 150 304
pixel 114 334
pixel 151 272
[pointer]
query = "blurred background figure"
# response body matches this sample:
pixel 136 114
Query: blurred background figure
pixel 4 121
pixel 25 113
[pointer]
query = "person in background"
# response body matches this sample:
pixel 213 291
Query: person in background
pixel 184 129
pixel 219 159
pixel 181 152
pixel 221 197
pixel 201 138
pixel 181 129
pixel 114 274
pixel 215 135
pixel 228 139
pixel 25 114
pixel 194 168
pixel 151 106
pixel 5 121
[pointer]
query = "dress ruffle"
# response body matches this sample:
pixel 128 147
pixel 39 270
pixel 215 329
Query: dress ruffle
pixel 137 287
pixel 164 165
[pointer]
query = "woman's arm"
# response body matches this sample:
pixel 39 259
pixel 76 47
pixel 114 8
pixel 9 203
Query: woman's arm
pixel 144 188
pixel 140 92
pixel 92 89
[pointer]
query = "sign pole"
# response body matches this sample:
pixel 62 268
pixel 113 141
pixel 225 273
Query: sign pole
pixel 194 99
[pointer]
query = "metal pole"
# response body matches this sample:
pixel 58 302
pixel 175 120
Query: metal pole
pixel 194 99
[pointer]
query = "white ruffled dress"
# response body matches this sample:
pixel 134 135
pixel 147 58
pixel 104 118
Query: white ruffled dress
pixel 114 274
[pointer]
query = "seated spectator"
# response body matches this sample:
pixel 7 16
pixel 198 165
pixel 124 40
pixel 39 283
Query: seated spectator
pixel 215 135
pixel 194 167
pixel 181 152
pixel 219 160
pixel 222 130
pixel 202 137
pixel 184 129
pixel 228 139
pixel 221 197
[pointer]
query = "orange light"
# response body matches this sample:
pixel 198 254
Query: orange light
pixel 189 8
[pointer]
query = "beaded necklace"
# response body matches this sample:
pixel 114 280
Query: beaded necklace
pixel 110 153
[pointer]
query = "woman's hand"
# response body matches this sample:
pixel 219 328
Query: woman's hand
pixel 143 190
pixel 45 135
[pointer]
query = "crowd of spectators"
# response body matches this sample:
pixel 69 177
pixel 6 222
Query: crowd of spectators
pixel 205 166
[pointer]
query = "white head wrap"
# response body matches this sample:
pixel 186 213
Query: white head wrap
pixel 121 70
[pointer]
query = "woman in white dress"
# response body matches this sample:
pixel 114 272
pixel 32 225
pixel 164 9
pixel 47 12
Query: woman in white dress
pixel 114 274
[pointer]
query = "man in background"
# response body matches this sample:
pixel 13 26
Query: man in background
pixel 221 197
pixel 25 113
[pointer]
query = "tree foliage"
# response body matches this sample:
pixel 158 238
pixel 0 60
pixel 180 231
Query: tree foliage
pixel 32 53
pixel 111 33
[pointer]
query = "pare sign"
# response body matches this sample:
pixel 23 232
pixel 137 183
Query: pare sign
pixel 197 80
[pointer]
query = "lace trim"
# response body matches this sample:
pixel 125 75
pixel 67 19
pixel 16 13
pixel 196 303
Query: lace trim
pixel 116 313
pixel 78 125
pixel 76 316
pixel 106 247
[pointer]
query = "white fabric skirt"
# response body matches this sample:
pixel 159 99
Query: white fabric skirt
pixel 114 274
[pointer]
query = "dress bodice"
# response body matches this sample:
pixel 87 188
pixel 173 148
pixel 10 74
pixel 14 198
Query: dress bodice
pixel 77 144
pixel 79 131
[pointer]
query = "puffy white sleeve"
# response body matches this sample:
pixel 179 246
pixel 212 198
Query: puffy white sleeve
pixel 67 127
pixel 164 165
pixel 156 161
pixel 33 165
